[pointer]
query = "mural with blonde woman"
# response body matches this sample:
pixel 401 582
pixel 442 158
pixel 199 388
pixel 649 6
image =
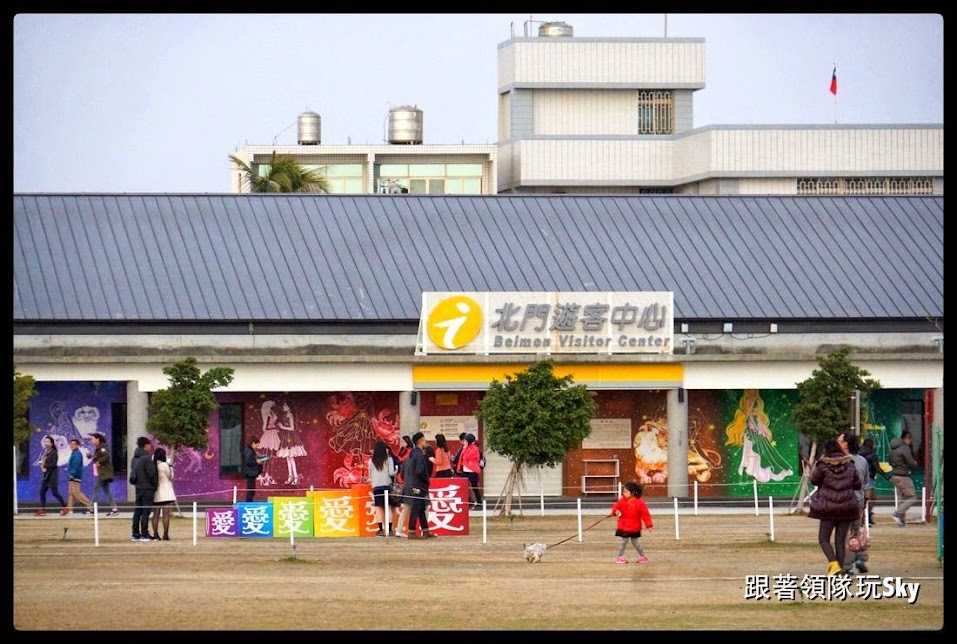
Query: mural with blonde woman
pixel 761 456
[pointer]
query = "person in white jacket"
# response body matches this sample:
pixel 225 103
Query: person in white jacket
pixel 165 497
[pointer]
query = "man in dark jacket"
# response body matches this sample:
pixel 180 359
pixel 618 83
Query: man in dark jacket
pixel 144 479
pixel 873 471
pixel 416 470
pixel 252 467
pixel 902 464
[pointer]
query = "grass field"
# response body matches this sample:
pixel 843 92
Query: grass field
pixel 695 580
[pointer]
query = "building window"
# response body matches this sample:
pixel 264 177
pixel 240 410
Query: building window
pixel 343 178
pixel 865 186
pixel 118 444
pixel 656 112
pixel 429 178
pixel 230 437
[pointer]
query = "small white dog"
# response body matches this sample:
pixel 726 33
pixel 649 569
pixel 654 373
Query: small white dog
pixel 534 552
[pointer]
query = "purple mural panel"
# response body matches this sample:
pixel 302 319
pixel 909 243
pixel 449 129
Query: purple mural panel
pixel 67 410
pixel 314 440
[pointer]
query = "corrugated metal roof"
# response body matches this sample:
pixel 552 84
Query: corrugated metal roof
pixel 200 257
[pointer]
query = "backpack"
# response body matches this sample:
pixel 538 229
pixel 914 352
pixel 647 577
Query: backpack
pixel 132 478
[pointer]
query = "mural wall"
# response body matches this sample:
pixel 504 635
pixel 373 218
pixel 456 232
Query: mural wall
pixel 323 440
pixel 67 410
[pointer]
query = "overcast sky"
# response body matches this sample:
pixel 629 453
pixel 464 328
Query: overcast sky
pixel 157 102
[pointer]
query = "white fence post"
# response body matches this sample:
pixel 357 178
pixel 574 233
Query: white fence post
pixel 677 531
pixel 771 514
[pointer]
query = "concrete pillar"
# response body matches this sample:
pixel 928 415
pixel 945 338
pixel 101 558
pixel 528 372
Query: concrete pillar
pixel 136 414
pixel 409 412
pixel 677 400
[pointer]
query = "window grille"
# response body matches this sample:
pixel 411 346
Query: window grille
pixel 865 186
pixel 656 112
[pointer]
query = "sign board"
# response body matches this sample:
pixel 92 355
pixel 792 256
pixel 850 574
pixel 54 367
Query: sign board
pixel 609 433
pixel 630 322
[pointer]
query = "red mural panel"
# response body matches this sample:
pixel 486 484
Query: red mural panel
pixel 318 440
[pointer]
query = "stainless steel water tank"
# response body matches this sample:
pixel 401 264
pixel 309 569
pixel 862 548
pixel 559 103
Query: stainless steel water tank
pixel 310 129
pixel 405 125
pixel 550 29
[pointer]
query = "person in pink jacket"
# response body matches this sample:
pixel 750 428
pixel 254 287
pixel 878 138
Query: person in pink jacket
pixel 469 467
pixel 632 512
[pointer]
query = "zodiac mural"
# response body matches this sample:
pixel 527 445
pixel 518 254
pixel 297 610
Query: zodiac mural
pixel 651 451
pixel 750 429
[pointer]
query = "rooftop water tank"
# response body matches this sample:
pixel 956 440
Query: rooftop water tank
pixel 310 129
pixel 550 29
pixel 405 125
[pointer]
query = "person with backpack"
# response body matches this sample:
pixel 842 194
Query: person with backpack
pixel 469 466
pixel 103 471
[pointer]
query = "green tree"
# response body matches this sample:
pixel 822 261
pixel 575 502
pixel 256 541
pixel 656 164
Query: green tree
pixel 824 407
pixel 534 418
pixel 179 414
pixel 284 174
pixel 23 391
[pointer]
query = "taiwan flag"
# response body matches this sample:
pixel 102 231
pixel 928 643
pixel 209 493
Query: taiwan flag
pixel 834 81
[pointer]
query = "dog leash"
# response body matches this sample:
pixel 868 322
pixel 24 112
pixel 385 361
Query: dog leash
pixel 576 534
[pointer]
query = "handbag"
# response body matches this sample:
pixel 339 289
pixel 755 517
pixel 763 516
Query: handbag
pixel 857 540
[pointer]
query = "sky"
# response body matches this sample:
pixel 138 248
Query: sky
pixel 156 103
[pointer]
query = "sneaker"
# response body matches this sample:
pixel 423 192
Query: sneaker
pixel 401 535
pixel 165 537
pixel 861 566
pixel 64 511
pixel 145 539
pixel 833 568
pixel 621 560
pixel 898 519
pixel 114 513
pixel 380 533
pixel 414 536
pixel 428 535
pixel 87 511
pixel 41 513
pixel 641 559
pixel 135 537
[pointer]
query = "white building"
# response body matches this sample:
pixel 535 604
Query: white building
pixel 616 116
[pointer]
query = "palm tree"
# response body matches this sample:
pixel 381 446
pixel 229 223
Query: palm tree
pixel 285 175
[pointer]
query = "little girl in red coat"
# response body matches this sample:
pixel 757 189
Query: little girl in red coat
pixel 631 512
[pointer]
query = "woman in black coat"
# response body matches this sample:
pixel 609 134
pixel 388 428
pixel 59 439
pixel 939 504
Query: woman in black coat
pixel 834 501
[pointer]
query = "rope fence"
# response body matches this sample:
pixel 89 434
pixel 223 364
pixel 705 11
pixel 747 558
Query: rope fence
pixel 578 507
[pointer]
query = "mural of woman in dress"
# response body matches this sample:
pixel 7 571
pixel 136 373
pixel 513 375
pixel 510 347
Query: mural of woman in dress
pixel 269 441
pixel 750 430
pixel 290 443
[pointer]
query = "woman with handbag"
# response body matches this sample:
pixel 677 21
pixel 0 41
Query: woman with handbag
pixel 857 539
pixel 834 502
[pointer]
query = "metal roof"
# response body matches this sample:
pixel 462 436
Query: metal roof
pixel 290 257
